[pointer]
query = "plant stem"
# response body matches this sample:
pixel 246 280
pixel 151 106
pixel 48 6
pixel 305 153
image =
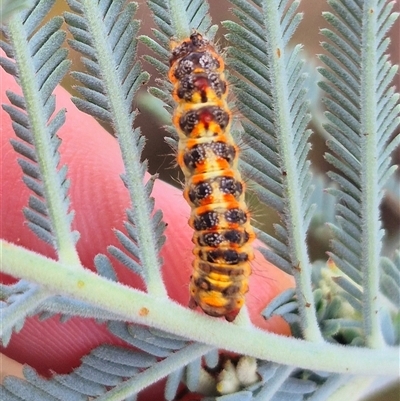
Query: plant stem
pixel 294 217
pixel 44 148
pixel 123 120
pixel 352 389
pixel 136 306
pixel 371 243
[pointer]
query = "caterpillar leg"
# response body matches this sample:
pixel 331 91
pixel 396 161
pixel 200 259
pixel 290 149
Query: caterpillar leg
pixel 215 303
pixel 192 303
pixel 229 316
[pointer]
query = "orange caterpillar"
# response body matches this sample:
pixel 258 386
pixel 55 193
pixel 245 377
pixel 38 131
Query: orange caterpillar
pixel 214 188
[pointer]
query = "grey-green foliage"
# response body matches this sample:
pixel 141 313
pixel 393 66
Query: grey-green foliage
pixel 109 97
pixel 363 113
pixel 263 160
pixel 359 103
pixel 44 63
pixel 9 7
pixel 270 89
pixel 38 67
pixel 103 34
pixel 105 366
pixel 110 370
pixel 271 94
pixel 390 279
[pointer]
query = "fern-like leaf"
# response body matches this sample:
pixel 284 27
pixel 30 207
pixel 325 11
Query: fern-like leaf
pixel 105 36
pixel 39 67
pixel 38 63
pixel 19 301
pixel 390 279
pixel 337 303
pixel 114 371
pixel 272 96
pixel 105 367
pixel 177 18
pixel 362 114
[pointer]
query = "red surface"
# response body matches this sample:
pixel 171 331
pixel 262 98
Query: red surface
pixel 100 199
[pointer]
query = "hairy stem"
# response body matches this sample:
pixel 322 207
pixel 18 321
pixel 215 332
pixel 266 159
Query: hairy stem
pixel 55 202
pixel 371 243
pixel 294 216
pixel 351 389
pixel 142 308
pixel 122 120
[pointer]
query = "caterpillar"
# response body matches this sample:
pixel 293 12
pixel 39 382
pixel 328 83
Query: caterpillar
pixel 208 157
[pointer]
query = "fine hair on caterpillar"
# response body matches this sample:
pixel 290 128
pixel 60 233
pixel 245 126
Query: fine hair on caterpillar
pixel 208 157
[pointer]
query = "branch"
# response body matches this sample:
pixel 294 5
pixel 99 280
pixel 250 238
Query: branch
pixel 136 306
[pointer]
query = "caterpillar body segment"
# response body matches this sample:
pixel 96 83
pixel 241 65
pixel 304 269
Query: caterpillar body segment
pixel 208 157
